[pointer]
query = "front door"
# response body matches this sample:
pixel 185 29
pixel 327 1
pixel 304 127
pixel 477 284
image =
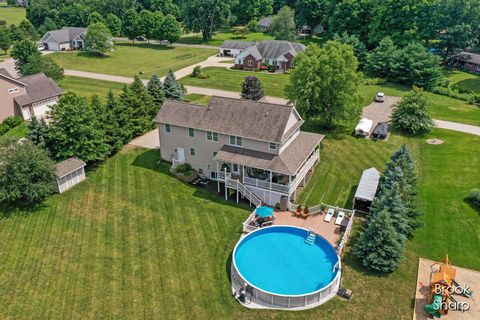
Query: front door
pixel 181 154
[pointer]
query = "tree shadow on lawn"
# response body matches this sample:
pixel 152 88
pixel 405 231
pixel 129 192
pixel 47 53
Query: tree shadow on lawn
pixel 6 211
pixel 91 55
pixel 472 205
pixel 316 126
pixel 152 46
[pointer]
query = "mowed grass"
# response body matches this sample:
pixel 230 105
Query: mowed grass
pixel 13 15
pixel 17 132
pixel 231 80
pixel 464 81
pixel 444 108
pixel 222 35
pixel 129 60
pixel 87 87
pixel 132 242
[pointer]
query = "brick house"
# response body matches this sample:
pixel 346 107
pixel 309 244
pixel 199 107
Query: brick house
pixel 466 61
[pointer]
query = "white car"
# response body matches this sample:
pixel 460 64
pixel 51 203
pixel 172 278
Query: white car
pixel 380 97
pixel 40 47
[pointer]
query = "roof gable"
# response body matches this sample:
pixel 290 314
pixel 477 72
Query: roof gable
pixel 245 118
pixel 38 87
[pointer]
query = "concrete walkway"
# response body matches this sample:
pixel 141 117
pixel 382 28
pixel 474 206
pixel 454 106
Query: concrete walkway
pixel 455 126
pixel 149 140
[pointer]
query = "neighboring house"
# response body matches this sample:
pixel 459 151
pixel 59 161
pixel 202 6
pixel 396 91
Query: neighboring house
pixel 28 96
pixel 67 38
pixel 258 145
pixel 264 23
pixel 466 61
pixel 231 48
pixel 276 53
pixel 69 173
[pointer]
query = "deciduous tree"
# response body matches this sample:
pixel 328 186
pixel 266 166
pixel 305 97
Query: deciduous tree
pixel 205 15
pixel 114 24
pixel 283 24
pixel 412 113
pixel 171 29
pixel 99 39
pixel 5 40
pixel 23 52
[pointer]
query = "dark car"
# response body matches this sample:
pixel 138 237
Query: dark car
pixel 141 38
pixel 380 131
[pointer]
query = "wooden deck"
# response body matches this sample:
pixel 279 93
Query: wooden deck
pixel 328 230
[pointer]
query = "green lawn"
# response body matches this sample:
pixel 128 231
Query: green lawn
pixel 87 87
pixel 13 15
pixel 464 81
pixel 231 80
pixel 128 60
pixel 132 242
pixel 198 99
pixel 222 35
pixel 443 107
pixel 17 132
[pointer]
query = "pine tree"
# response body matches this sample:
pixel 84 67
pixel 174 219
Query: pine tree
pixel 155 89
pixel 114 133
pixel 379 247
pixel 173 89
pixel 124 115
pixel 37 132
pixel 252 89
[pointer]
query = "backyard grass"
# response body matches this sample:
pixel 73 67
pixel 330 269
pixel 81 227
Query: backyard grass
pixel 13 15
pixel 87 87
pixel 443 107
pixel 464 81
pixel 198 99
pixel 128 59
pixel 222 35
pixel 132 242
pixel 17 132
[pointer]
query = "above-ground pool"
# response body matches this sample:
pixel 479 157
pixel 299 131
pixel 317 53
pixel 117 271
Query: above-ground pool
pixel 280 269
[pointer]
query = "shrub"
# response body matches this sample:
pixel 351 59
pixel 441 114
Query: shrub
pixel 412 113
pixel 13 121
pixel 374 81
pixel 474 196
pixel 197 71
pixel 452 93
pixel 3 129
pixel 252 26
pixel 184 169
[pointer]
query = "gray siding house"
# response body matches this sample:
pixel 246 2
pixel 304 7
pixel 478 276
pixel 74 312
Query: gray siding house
pixel 241 144
pixel 67 38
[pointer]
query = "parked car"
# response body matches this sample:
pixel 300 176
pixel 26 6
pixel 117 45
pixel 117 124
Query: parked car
pixel 380 131
pixel 363 128
pixel 141 38
pixel 41 47
pixel 380 97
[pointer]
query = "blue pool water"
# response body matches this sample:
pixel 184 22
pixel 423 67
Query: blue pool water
pixel 277 260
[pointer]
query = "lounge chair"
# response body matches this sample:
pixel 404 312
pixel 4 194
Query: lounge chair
pixel 340 217
pixel 298 212
pixel 329 215
pixel 305 213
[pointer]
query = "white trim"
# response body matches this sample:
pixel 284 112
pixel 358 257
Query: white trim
pixel 213 133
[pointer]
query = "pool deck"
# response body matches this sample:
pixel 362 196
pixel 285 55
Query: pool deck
pixel 329 230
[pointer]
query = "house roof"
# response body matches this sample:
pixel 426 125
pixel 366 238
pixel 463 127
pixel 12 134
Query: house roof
pixel 467 57
pixel 6 75
pixel 67 166
pixel 65 34
pixel 265 22
pixel 38 87
pixel 252 51
pixel 271 49
pixel 245 118
pixel 288 162
pixel 233 44
pixel 367 188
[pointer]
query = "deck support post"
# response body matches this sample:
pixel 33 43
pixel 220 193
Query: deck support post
pixel 218 180
pixel 226 187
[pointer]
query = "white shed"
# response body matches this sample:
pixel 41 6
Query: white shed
pixel 363 127
pixel 367 189
pixel 69 173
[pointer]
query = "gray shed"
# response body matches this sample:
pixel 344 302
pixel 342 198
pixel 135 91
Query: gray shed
pixel 367 189
pixel 69 173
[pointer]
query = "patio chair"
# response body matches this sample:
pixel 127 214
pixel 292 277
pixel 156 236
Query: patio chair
pixel 305 213
pixel 329 215
pixel 340 217
pixel 298 212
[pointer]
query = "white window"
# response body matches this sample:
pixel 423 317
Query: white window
pixel 249 63
pixel 192 152
pixel 191 132
pixel 16 89
pixel 236 141
pixel 10 91
pixel 168 129
pixel 212 136
pixel 272 146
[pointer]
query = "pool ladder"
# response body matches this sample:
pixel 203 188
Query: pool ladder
pixel 311 238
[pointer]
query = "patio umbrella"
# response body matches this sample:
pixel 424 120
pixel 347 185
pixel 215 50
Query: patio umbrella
pixel 264 211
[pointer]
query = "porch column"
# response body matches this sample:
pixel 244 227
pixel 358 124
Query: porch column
pixel 289 185
pixel 218 180
pixel 226 188
pixel 270 180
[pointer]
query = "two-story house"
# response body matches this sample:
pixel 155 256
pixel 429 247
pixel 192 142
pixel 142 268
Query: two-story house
pixel 241 144
pixel 29 96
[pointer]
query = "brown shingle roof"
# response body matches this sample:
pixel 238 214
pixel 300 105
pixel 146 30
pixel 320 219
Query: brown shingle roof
pixel 38 87
pixel 245 118
pixel 288 162
pixel 65 167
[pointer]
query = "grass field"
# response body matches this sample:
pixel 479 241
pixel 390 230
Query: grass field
pixel 222 35
pixel 17 132
pixel 128 60
pixel 443 107
pixel 13 15
pixel 464 81
pixel 131 242
pixel 87 87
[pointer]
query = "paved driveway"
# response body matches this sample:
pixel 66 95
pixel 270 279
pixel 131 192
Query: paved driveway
pixel 380 111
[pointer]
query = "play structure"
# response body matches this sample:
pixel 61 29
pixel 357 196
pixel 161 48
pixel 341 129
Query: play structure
pixel 442 288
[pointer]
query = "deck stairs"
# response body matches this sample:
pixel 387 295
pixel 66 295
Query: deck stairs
pixel 310 238
pixel 244 190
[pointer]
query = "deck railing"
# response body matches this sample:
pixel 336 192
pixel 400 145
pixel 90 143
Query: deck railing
pixel 304 170
pixel 266 185
pixel 346 234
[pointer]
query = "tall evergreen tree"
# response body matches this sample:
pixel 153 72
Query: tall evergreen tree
pixel 379 247
pixel 155 89
pixel 173 89
pixel 37 132
pixel 114 133
pixel 252 89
